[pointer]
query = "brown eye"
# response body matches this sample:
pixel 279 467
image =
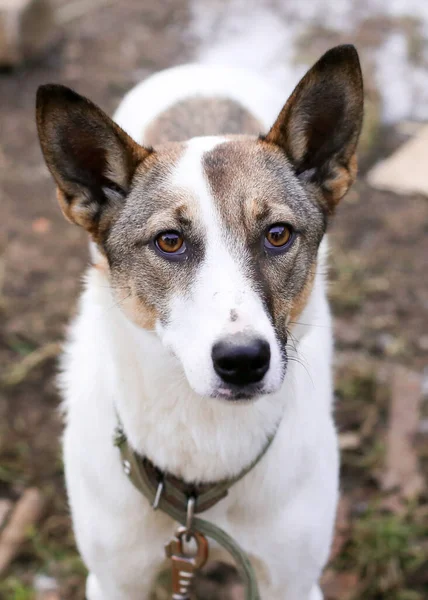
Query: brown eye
pixel 170 242
pixel 279 236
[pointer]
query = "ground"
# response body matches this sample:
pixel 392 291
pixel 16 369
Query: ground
pixel 379 293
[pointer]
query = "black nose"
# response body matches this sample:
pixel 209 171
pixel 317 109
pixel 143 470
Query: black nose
pixel 241 360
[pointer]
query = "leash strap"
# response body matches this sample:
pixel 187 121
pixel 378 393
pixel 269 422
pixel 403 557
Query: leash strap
pixel 164 494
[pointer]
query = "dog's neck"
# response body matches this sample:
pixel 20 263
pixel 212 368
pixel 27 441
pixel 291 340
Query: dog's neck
pixel 195 438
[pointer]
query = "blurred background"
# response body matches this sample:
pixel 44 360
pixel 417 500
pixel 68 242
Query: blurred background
pixel 379 265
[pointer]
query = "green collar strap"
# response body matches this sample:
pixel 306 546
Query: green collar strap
pixel 172 495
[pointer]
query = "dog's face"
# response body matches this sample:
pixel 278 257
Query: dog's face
pixel 213 243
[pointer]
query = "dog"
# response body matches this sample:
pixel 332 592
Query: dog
pixel 204 326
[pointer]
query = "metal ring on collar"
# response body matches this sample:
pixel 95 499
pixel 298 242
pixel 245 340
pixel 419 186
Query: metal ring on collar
pixel 191 502
pixel 158 496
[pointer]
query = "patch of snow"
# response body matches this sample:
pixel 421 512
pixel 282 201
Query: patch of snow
pixel 394 78
pixel 263 35
pixel 44 583
pixel 249 35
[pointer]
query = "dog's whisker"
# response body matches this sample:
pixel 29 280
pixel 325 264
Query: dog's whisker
pixel 308 324
pixel 299 357
pixel 300 362
pixel 119 303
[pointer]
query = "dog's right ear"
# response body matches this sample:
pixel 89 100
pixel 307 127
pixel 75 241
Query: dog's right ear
pixel 90 157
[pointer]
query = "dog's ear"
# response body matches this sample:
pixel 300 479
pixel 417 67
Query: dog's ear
pixel 90 157
pixel 319 126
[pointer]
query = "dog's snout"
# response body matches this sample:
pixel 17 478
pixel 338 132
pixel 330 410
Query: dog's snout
pixel 241 361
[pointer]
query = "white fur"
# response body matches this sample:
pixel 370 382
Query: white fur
pixel 283 511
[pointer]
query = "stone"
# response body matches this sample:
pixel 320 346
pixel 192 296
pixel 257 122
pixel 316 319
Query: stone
pixel 401 472
pixel 349 440
pixel 27 28
pixel 339 585
pixel 423 343
pixel 46 588
pixel 405 171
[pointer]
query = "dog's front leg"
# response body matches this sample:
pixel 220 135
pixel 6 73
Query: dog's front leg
pixel 128 568
pixel 289 562
pixel 122 544
pixel 108 590
pixel 295 587
pixel 291 545
pixel 106 587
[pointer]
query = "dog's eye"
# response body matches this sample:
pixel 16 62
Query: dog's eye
pixel 170 242
pixel 279 236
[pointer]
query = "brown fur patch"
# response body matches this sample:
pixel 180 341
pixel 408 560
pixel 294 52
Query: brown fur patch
pixel 254 186
pixel 301 299
pixel 339 183
pixel 134 306
pixel 247 180
pixel 196 117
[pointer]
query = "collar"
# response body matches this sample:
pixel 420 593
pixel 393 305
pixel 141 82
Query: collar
pixel 163 490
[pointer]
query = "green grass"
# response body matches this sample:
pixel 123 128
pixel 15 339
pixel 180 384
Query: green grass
pixel 359 385
pixel 347 290
pixel 390 554
pixel 20 345
pixel 13 589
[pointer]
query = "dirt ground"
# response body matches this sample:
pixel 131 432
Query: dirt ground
pixel 379 293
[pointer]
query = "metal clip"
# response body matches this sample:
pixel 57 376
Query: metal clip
pixel 184 566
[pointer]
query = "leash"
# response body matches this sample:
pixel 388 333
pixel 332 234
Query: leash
pixel 181 501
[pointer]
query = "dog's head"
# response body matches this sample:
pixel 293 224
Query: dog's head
pixel 212 243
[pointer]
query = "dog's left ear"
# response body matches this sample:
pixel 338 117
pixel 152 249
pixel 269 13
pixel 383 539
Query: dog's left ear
pixel 319 126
